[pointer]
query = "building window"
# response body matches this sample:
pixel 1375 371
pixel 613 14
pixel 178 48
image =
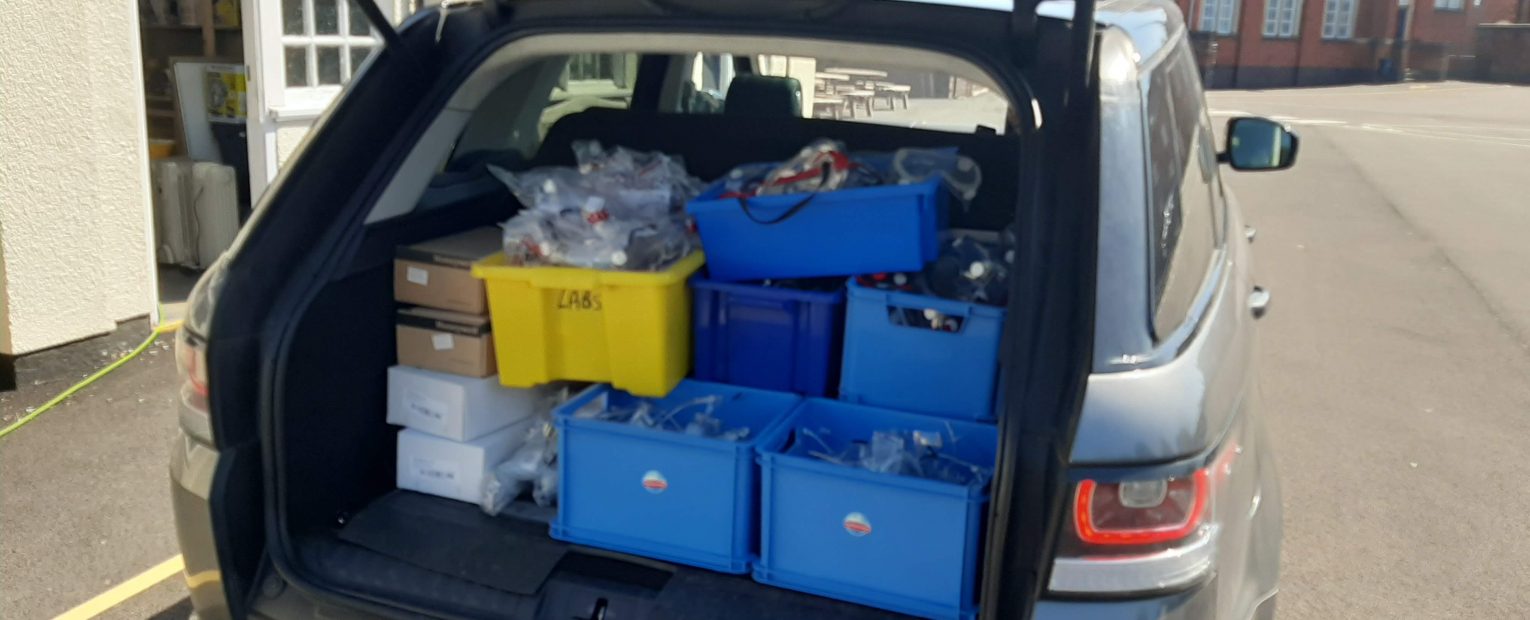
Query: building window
pixel 323 42
pixel 1219 16
pixel 1281 17
pixel 1339 19
pixel 1448 5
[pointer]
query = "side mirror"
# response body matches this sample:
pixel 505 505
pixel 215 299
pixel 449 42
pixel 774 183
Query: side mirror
pixel 1255 143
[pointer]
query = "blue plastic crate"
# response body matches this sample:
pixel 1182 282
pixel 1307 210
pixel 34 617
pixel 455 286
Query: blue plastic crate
pixel 767 337
pixel 839 233
pixel 664 494
pixel 896 542
pixel 912 367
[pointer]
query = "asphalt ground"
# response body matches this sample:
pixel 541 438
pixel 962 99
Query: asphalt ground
pixel 1392 367
pixel 1393 362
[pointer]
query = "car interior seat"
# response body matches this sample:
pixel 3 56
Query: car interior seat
pixel 764 95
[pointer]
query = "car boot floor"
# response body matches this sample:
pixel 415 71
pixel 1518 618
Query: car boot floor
pixel 512 562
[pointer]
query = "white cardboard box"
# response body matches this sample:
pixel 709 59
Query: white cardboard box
pixel 457 407
pixel 452 469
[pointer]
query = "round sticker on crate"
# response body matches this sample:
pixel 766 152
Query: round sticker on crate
pixel 857 524
pixel 654 482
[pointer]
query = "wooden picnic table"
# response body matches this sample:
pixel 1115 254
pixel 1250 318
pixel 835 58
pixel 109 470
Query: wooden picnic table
pixel 848 88
pixel 857 97
pixel 893 92
pixel 830 104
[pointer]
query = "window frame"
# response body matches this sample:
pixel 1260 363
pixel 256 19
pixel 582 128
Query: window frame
pixel 1450 6
pixel 1220 13
pixel 305 103
pixel 1274 20
pixel 1339 19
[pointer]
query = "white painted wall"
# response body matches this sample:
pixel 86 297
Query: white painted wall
pixel 75 221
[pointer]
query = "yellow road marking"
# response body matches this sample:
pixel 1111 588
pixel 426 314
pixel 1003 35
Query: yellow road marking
pixel 124 591
pixel 203 578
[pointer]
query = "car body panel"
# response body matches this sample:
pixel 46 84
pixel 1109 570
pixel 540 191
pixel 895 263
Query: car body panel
pixel 1194 400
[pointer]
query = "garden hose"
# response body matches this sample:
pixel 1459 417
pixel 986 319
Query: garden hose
pixel 164 328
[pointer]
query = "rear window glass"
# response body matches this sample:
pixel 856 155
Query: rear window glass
pixel 551 88
pixel 852 91
pixel 890 94
pixel 590 81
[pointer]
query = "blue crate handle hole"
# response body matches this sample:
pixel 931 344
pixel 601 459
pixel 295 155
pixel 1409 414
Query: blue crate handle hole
pixel 926 319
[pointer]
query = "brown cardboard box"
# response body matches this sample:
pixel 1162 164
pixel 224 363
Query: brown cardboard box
pixel 436 273
pixel 445 341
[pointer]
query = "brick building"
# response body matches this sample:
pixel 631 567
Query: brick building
pixel 1275 43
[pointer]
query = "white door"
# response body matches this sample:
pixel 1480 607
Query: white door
pixel 300 53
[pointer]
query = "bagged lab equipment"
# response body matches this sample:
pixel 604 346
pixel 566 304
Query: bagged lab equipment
pixel 881 538
pixel 973 266
pixel 672 478
pixel 829 212
pixel 618 210
pixel 834 233
pixel 920 353
pixel 960 173
pixel 531 468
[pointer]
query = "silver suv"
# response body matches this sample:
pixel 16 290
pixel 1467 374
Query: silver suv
pixel 1134 477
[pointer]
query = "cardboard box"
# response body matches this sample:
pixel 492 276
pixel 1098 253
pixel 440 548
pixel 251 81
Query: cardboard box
pixel 454 469
pixel 459 408
pixel 432 339
pixel 436 273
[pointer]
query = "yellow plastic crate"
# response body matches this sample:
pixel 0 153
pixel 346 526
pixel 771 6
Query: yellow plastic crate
pixel 630 329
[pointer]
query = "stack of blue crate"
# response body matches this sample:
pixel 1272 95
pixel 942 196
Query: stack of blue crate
pixel 772 359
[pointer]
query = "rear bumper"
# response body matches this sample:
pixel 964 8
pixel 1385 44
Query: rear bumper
pixel 193 467
pixel 1198 603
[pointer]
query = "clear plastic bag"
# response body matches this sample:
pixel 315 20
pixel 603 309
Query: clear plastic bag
pixel 824 165
pixel 745 180
pixel 695 417
pixel 619 209
pixel 899 452
pixel 821 166
pixel 644 183
pixel 917 165
pixel 532 467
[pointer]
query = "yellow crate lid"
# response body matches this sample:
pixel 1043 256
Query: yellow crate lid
pixel 494 268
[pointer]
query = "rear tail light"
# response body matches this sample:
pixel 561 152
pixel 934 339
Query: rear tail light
pixel 1141 535
pixel 191 362
pixel 191 355
pixel 1140 512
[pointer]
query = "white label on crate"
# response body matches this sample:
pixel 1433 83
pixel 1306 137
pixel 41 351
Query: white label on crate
pixel 417 276
pixel 654 482
pixel 442 342
pixel 857 524
pixel 432 469
pixel 426 411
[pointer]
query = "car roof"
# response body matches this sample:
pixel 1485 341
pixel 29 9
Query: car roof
pixel 1150 24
